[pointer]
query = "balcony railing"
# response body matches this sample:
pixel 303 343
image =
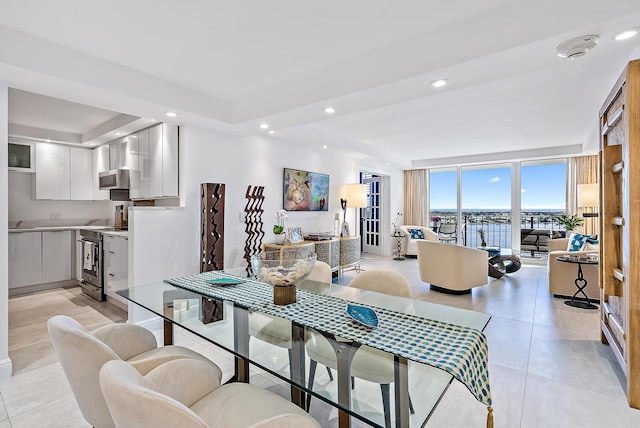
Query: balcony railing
pixel 497 226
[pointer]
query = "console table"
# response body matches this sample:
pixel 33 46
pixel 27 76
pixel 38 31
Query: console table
pixel 339 253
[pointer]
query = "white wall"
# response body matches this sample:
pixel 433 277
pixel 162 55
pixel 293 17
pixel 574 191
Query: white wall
pixel 210 156
pixel 258 161
pixel 22 205
pixel 5 362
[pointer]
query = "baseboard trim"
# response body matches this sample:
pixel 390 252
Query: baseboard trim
pixel 6 368
pixel 17 291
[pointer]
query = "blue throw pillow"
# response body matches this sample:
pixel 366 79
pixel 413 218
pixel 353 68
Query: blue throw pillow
pixel 576 242
pixel 416 233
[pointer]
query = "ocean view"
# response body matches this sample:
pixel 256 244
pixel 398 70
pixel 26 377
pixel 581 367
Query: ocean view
pixel 497 225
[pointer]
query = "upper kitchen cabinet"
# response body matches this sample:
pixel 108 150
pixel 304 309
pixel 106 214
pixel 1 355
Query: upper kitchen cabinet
pixel 120 153
pixel 63 173
pixel 139 178
pixel 53 172
pixel 157 162
pixel 81 167
pixel 100 164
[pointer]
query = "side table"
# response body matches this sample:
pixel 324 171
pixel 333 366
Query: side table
pixel 581 282
pixel 398 237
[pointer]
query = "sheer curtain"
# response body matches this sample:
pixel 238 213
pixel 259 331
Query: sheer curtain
pixel 416 185
pixel 582 170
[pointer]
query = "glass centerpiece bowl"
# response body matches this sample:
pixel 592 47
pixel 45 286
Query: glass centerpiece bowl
pixel 283 269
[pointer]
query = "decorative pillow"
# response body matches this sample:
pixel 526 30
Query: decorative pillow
pixel 416 233
pixel 576 242
pixel 588 246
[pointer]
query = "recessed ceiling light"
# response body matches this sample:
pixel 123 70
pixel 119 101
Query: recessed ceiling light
pixel 439 83
pixel 170 114
pixel 153 120
pixel 271 131
pixel 329 110
pixel 48 140
pixel 264 126
pixel 324 147
pixel 118 134
pixel 626 34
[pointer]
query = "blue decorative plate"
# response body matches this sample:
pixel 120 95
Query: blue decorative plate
pixel 225 281
pixel 362 314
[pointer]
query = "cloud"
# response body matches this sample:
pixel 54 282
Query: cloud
pixel 523 190
pixel 494 180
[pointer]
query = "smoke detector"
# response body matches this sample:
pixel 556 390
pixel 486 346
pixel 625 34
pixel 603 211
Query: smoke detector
pixel 577 47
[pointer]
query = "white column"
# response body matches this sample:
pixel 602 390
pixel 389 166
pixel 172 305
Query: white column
pixel 5 361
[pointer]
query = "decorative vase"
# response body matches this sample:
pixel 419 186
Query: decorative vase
pixel 280 238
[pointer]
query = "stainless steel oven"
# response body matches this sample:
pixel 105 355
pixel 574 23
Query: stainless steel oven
pixel 92 281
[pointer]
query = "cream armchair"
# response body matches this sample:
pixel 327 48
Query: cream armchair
pixel 452 269
pixel 409 243
pixel 82 353
pixel 562 275
pixel 187 393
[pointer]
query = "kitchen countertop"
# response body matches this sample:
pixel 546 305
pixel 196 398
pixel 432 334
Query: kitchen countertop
pixel 124 233
pixel 54 228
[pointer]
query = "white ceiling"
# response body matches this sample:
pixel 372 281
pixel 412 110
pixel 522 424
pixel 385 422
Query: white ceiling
pixel 232 65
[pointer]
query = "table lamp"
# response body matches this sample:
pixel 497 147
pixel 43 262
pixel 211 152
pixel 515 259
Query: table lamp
pixel 352 196
pixel 588 198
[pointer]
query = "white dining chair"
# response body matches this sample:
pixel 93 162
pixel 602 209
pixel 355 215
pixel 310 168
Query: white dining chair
pixel 187 393
pixel 82 353
pixel 368 363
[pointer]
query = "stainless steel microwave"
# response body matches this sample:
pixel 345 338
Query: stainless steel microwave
pixel 114 179
pixel 21 156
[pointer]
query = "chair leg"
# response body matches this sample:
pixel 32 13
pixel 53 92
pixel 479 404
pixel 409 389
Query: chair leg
pixel 330 374
pixel 413 412
pixel 386 404
pixel 353 383
pixel 312 374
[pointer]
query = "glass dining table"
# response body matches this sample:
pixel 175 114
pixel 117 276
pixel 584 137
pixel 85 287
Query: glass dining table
pixel 220 306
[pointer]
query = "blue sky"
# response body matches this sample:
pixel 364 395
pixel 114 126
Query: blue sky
pixel 543 187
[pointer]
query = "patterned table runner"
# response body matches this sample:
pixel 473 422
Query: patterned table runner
pixel 460 351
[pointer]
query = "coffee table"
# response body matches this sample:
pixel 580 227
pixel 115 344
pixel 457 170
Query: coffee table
pixel 501 261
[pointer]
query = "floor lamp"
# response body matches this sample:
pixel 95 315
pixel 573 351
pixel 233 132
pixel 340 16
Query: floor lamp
pixel 352 196
pixel 588 198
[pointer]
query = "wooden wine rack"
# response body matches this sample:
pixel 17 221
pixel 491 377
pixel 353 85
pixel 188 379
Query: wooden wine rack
pixel 620 223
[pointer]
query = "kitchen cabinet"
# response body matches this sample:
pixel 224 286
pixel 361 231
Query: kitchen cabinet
pixel 81 174
pixel 134 173
pixel 25 259
pixel 40 257
pixel 155 162
pixel 63 173
pixel 100 164
pixel 169 160
pixel 144 165
pixel 53 172
pixel 116 259
pixel 56 255
pixel 120 153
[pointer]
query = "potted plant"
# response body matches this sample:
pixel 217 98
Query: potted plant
pixel 570 221
pixel 278 228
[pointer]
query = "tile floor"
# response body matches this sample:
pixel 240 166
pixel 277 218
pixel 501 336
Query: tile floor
pixel 547 366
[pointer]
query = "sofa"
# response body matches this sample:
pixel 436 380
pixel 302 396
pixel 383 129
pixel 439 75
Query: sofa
pixel 452 269
pixel 409 243
pixel 535 240
pixel 562 275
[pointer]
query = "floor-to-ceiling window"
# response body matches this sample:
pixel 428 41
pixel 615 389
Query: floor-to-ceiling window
pixel 483 201
pixel 486 205
pixel 542 193
pixel 443 195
